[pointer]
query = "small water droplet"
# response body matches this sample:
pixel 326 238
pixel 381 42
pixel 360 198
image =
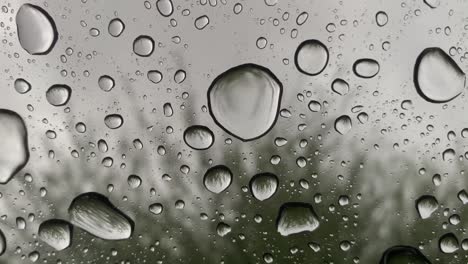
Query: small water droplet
pixel 116 27
pixel 106 83
pixel 340 86
pixel 154 76
pixel 448 243
pixel 165 7
pixel 381 18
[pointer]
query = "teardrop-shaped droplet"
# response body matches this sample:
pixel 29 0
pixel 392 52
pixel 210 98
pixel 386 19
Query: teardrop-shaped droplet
pixel 37 32
pixel 165 7
pixel 448 243
pixel 94 213
pixel 106 83
pixel 366 68
pixel 58 94
pixel 403 255
pixel 426 205
pixel 13 143
pixel 343 124
pixel 56 233
pixel 113 121
pixel 437 77
pixel 217 178
pixel 3 243
pixel 179 76
pixel 340 86
pixel 245 101
pixel 202 22
pixel 263 185
pixel 143 46
pixel 311 57
pixel 116 27
pixel 198 137
pixel 154 76
pixel 22 86
pixel 295 218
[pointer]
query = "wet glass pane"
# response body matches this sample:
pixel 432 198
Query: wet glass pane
pixel 219 131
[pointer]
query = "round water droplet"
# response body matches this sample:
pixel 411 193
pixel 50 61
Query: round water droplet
pixel 58 94
pixel 437 77
pixel 448 243
pixel 366 68
pixel 311 57
pixel 156 208
pixel 13 143
pixel 403 255
pixel 426 205
pixel 37 32
pixel 217 178
pixel 261 42
pixel 94 213
pixel 202 22
pixel 22 86
pixel 340 86
pixel 106 83
pixel 381 18
pixel 295 218
pixel 179 76
pixel 167 109
pixel 263 186
pixel 116 27
pixel 154 76
pixel 143 46
pixel 343 124
pixel 134 181
pixel 245 101
pixel 165 7
pixel 315 106
pixel 198 137
pixel 113 121
pixel 56 233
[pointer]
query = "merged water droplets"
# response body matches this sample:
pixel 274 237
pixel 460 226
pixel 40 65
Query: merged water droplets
pixel 116 27
pixel 263 185
pixel 245 101
pixel 217 178
pixel 13 143
pixel 403 255
pixel 437 77
pixel 295 218
pixel 37 32
pixel 56 233
pixel 198 137
pixel 311 57
pixel 58 94
pixel 22 86
pixel 366 68
pixel 426 205
pixel 143 46
pixel 165 7
pixel 343 124
pixel 113 121
pixel 94 213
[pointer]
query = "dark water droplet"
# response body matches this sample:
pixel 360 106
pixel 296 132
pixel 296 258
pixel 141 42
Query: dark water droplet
pixel 448 243
pixel 56 233
pixel 311 57
pixel 403 255
pixel 295 218
pixel 426 205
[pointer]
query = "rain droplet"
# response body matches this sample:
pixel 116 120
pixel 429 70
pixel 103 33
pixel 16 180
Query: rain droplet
pixel 315 106
pixel 202 22
pixel 311 57
pixel 448 243
pixel 432 3
pixel 245 101
pixel 143 46
pixel 167 109
pixel 134 181
pixel 366 68
pixel 56 233
pixel 165 7
pixel 263 185
pixel 403 255
pixel 437 77
pixel 340 86
pixel 116 27
pixel 426 205
pixel 179 76
pixel 198 137
pixel 381 18
pixel 261 42
pixel 449 155
pixel 113 121
pixel 217 178
pixel 156 208
pixel 94 213
pixel 295 218
pixel 302 18
pixel 106 83
pixel 343 124
pixel 22 86
pixel 37 32
pixel 154 76
pixel 58 94
pixel 223 229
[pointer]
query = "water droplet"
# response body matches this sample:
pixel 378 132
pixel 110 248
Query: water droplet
pixel 245 101
pixel 343 124
pixel 432 3
pixel 3 243
pixel 22 86
pixel 134 181
pixel 156 208
pixel 113 121
pixel 102 146
pixel 426 205
pixel 34 256
pixel 448 155
pixel 237 8
pixel 261 42
pixel 13 143
pixel 366 68
pixel 37 32
pixel 302 18
pixel 381 18
pixel 167 109
pixel 154 76
pixel 165 7
pixel 271 2
pixel 56 233
pixel 202 22
pixel 143 46
pixel 263 185
pixel 94 213
pixel 106 83
pixel 403 255
pixel 311 57
pixel 437 77
pixel 198 137
pixel 340 86
pixel 58 94
pixel 223 229
pixel 295 218
pixel 448 243
pixel 116 27
pixel 179 76
pixel 217 178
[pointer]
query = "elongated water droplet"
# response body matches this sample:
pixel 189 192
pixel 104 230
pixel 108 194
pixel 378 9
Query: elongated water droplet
pixel 381 18
pixel 340 86
pixel 302 18
pixel 106 83
pixel 56 233
pixel 113 121
pixel 165 7
pixel 202 22
pixel 13 143
pixel 167 109
pixel 198 137
pixel 245 101
pixel 263 185
pixel 403 255
pixel 217 178
pixel 179 76
pixel 22 86
pixel 94 213
pixel 311 57
pixel 37 32
pixel 3 243
pixel 143 46
pixel 437 77
pixel 58 94
pixel 366 68
pixel 426 205
pixel 116 27
pixel 295 218
pixel 343 124
pixel 448 243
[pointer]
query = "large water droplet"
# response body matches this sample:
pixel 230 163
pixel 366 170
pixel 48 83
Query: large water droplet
pixel 116 27
pixel 263 185
pixel 113 121
pixel 426 205
pixel 198 137
pixel 403 255
pixel 13 143
pixel 311 57
pixel 56 233
pixel 448 243
pixel 22 86
pixel 245 101
pixel 366 68
pixel 3 243
pixel 143 46
pixel 37 32
pixel 343 124
pixel 295 218
pixel 217 178
pixel 94 213
pixel 437 77
pixel 58 94
pixel 165 7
